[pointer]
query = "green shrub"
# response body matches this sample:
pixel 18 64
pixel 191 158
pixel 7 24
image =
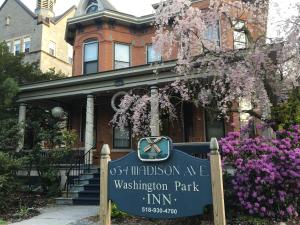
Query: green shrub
pixel 116 213
pixel 9 134
pixel 8 184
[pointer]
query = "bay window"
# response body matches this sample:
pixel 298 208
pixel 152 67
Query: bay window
pixel 91 57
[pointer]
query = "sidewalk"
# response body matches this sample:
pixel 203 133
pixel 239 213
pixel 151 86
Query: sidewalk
pixel 61 215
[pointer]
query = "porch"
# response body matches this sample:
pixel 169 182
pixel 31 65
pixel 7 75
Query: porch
pixel 86 101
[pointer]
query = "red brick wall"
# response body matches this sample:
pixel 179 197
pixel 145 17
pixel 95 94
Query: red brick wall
pixel 107 35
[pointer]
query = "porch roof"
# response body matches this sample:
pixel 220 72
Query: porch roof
pixel 102 82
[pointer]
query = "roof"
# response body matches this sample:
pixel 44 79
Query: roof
pixel 102 16
pixel 107 5
pixel 56 19
pixel 98 83
pixel 22 5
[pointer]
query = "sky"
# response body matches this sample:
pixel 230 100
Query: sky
pixel 280 9
pixel 135 7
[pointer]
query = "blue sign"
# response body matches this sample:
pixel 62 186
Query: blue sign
pixel 154 149
pixel 177 187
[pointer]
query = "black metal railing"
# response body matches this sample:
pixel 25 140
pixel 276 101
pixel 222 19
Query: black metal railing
pixel 79 165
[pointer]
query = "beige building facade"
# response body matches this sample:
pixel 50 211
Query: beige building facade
pixel 40 35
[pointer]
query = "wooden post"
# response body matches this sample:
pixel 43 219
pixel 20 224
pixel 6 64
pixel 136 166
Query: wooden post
pixel 217 183
pixel 105 203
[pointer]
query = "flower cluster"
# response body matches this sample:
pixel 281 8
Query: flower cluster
pixel 266 181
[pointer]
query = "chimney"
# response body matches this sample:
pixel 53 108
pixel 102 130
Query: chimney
pixel 44 9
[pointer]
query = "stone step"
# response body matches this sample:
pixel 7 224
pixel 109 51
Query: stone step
pixel 83 181
pixel 64 201
pixel 90 187
pixel 95 194
pixel 71 194
pixel 86 201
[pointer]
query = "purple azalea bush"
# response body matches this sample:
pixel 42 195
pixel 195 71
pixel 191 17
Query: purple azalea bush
pixel 266 179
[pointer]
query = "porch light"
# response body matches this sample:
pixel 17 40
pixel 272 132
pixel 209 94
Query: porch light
pixel 57 112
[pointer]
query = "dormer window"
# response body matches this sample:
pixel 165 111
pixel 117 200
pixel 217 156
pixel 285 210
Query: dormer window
pixel 92 6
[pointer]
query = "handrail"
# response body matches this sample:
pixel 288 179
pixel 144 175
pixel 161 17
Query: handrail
pixel 79 165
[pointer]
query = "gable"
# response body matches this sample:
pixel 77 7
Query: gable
pixel 18 4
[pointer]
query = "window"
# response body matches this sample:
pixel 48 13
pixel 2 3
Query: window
pixel 52 48
pixel 152 55
pixel 7 21
pixel 26 45
pixel 17 47
pixel 122 56
pixel 240 40
pixel 8 46
pixel 70 54
pixel 122 139
pixel 92 7
pixel 90 57
pixel 212 34
pixel 215 127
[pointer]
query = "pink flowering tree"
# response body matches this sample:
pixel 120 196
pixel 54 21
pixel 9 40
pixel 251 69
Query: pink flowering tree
pixel 211 70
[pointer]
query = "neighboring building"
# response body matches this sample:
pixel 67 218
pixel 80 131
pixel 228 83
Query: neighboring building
pixel 113 52
pixel 39 35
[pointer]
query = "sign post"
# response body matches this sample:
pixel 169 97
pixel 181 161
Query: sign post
pixel 217 183
pixel 105 203
pixel 160 182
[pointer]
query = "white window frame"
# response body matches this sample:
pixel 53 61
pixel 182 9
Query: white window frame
pixel 83 55
pixel 8 43
pixel 15 44
pixel 114 55
pixel 147 58
pixel 237 25
pixel 26 40
pixel 208 35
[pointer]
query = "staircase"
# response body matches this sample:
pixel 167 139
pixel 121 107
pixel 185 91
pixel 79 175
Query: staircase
pixel 84 191
pixel 83 182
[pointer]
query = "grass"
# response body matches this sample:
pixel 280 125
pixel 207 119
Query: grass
pixel 2 222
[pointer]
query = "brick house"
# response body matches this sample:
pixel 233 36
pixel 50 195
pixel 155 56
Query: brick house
pixel 113 52
pixel 40 35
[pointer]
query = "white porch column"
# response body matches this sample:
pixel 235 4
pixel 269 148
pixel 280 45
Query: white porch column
pixel 89 125
pixel 22 119
pixel 154 112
